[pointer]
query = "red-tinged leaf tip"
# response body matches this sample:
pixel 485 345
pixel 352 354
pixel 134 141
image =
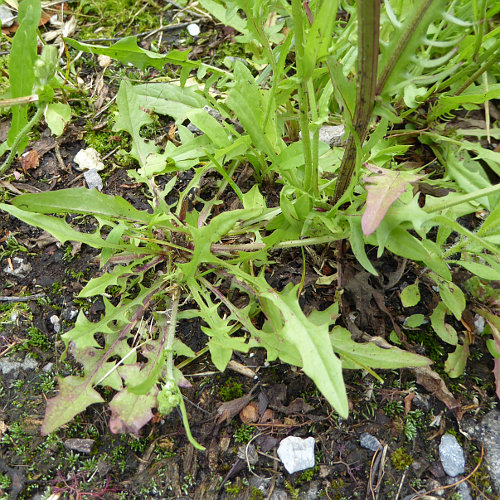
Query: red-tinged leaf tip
pixel 383 189
pixel 75 395
pixel 130 412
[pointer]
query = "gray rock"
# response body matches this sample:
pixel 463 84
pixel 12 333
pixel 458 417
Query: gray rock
pixel 369 442
pixel 93 179
pixel 80 445
pixel 296 453
pixel 451 455
pixel 333 135
pixel 7 366
pixel 279 494
pixel 462 488
pixel 312 492
pixel 488 433
pixel 259 483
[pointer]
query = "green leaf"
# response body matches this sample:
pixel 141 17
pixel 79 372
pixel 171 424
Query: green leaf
pixel 358 245
pixel 131 119
pixel 127 51
pixel 410 296
pixel 357 355
pixel 168 99
pixel 23 54
pixel 75 395
pixel 81 201
pixel 60 229
pixel 414 320
pixel 245 91
pixel 446 103
pixel 444 331
pixel 209 126
pixel 453 297
pixel 312 341
pixel 57 116
pixel 226 13
pixel 318 37
pixel 482 270
pixel 455 364
pixel 469 175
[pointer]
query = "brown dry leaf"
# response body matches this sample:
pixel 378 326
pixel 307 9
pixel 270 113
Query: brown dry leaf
pixel 436 386
pixel 289 421
pixel 29 160
pixel 229 409
pixel 408 400
pixel 250 413
pixel 267 416
pixel 298 405
pixel 3 428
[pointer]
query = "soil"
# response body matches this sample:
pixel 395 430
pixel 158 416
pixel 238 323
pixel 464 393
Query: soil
pixel 248 408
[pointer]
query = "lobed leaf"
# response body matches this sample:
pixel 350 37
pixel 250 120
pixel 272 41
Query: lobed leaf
pixel 127 51
pixel 75 395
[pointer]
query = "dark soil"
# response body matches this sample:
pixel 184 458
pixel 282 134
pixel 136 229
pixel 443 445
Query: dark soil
pixel 84 459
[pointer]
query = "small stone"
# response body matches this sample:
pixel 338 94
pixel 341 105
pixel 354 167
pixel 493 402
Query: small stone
pixel 103 61
pixel 93 179
pixel 333 135
pixel 193 128
pixel 87 159
pixel 451 455
pixel 7 17
pixel 369 442
pixel 55 322
pixel 48 367
pixel 193 29
pixel 80 445
pixel 296 453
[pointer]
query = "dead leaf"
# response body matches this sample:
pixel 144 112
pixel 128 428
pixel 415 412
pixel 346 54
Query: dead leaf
pixel 298 405
pixel 408 400
pixel 267 416
pixel 383 189
pixel 250 413
pixel 29 160
pixel 436 386
pixel 229 409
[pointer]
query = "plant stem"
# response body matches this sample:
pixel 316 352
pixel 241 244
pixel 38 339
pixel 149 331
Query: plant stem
pixel 458 200
pixel 21 135
pixel 368 49
pixel 309 181
pixel 169 342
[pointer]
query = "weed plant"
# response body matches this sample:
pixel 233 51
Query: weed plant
pixel 392 74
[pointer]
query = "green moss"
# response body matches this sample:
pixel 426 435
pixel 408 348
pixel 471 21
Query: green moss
pixel 233 489
pixel 256 494
pixel 35 339
pixel 244 433
pixel 307 475
pixel 108 14
pixel 400 459
pixel 231 390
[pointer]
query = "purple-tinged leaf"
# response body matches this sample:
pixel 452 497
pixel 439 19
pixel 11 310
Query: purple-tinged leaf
pixel 383 188
pixel 75 395
pixel 130 412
